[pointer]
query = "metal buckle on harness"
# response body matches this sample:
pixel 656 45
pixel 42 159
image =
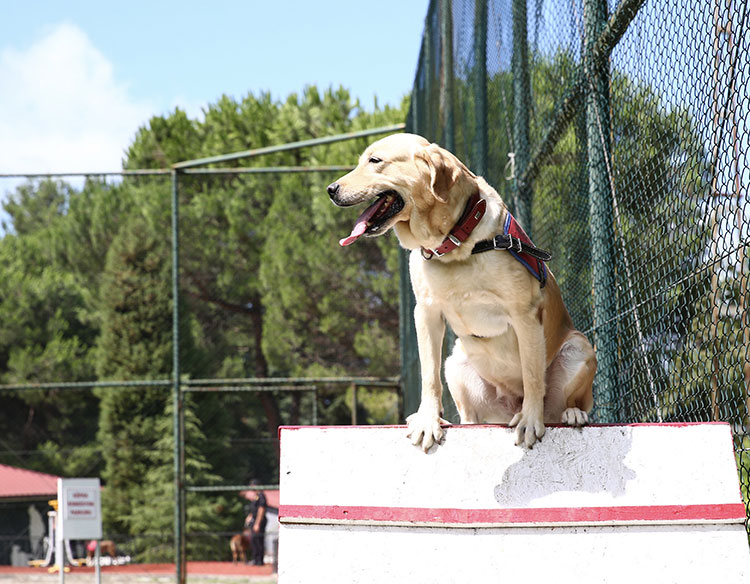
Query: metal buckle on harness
pixel 518 243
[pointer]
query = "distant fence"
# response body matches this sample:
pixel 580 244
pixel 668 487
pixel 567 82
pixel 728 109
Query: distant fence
pixel 303 401
pixel 619 134
pixel 175 401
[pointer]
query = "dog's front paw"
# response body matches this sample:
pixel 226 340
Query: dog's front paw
pixel 424 429
pixel 575 417
pixel 529 428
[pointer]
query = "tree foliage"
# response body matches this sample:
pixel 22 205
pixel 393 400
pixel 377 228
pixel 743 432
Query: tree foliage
pixel 85 294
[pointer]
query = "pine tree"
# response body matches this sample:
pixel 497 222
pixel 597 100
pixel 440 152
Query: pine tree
pixel 135 343
pixel 152 509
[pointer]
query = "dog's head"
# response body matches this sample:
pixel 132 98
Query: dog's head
pixel 415 187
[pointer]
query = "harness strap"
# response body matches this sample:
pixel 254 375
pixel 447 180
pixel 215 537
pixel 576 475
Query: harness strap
pixel 515 240
pixel 503 242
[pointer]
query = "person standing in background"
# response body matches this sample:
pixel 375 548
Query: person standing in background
pixel 256 521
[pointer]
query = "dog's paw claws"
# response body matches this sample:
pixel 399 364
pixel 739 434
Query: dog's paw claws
pixel 529 429
pixel 575 417
pixel 424 430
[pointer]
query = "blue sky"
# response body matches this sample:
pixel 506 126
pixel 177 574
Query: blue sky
pixel 77 78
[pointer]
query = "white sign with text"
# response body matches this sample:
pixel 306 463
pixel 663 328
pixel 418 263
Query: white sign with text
pixel 80 508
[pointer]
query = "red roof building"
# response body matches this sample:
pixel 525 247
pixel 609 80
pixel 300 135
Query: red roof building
pixel 18 484
pixel 24 497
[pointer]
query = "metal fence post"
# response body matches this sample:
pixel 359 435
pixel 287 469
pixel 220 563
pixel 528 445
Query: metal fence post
pixel 521 105
pixel 446 68
pixel 178 414
pixel 416 122
pixel 429 115
pixel 354 404
pixel 406 330
pixel 479 154
pixel 596 89
pixel 450 412
pixel 414 119
pixel 410 376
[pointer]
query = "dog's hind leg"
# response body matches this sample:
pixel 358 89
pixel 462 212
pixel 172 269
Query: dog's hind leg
pixel 465 384
pixel 575 367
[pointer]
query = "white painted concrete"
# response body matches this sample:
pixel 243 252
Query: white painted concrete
pixel 415 555
pixel 601 504
pixel 481 467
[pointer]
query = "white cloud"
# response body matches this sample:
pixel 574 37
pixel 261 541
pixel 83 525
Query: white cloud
pixel 61 107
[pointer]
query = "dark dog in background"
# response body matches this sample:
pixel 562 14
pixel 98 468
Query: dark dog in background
pixel 240 544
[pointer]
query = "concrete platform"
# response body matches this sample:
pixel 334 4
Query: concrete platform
pixel 601 504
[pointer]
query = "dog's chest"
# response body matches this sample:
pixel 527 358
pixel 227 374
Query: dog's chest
pixel 470 302
pixel 476 315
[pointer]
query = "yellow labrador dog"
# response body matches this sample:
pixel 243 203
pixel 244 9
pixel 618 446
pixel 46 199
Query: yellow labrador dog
pixel 517 360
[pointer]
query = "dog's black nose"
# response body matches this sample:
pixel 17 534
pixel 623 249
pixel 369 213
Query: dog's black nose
pixel 333 189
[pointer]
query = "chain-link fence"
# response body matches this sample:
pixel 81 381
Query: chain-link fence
pixel 618 134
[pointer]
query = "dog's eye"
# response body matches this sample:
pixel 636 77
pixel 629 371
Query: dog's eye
pixel 375 160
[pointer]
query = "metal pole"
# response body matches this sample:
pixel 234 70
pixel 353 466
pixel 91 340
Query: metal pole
pixel 448 132
pixel 60 541
pixel 299 381
pixel 446 86
pixel 136 172
pixel 73 385
pixel 414 123
pixel 521 101
pixel 715 343
pixel 715 155
pixel 354 404
pixel 430 128
pixel 285 147
pixel 739 219
pixel 479 155
pixel 97 566
pixel 177 397
pixel 410 376
pixel 601 214
pixel 227 488
pixel 269 169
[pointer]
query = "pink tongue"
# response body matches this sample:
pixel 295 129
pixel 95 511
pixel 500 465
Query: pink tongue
pixel 361 225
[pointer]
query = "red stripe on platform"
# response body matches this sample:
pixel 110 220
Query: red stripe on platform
pixel 565 515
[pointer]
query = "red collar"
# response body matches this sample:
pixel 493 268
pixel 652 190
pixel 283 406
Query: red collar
pixel 471 217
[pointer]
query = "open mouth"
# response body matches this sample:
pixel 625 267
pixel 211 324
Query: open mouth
pixel 372 219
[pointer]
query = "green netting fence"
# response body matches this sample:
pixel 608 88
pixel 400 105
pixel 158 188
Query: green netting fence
pixel 618 133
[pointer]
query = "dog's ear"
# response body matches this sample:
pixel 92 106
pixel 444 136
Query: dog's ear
pixel 445 169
